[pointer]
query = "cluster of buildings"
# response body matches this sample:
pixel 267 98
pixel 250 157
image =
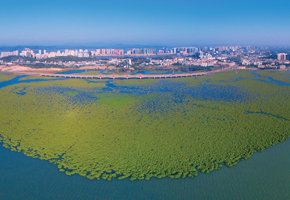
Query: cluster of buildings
pixel 6 54
pixel 204 52
pixel 103 52
pixel 282 56
pixel 222 56
pixel 186 61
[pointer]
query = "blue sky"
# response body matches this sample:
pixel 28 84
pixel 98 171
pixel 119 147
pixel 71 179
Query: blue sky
pixel 159 22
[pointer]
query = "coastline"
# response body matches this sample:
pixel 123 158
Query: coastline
pixel 55 72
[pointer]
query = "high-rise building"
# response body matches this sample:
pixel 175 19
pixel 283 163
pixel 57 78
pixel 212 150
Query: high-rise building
pixel 148 51
pixel 6 54
pixel 282 56
pixel 117 52
pixel 86 53
pixel 76 53
pixel 81 53
pixel 71 53
pixel 174 51
pixel 136 51
pixel 28 54
pixel 191 50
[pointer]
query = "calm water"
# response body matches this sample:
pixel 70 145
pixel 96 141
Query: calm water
pixel 265 175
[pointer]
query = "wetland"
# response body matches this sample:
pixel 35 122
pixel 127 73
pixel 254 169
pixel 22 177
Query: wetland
pixel 132 130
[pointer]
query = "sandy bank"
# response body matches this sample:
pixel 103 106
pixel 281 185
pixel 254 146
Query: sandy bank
pixel 18 69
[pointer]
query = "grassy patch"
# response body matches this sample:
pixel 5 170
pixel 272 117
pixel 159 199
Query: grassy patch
pixel 6 77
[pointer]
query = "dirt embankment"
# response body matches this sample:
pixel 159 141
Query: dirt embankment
pixel 24 69
pixel 19 69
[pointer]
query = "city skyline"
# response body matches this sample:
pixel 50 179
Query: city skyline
pixel 151 23
pixel 42 54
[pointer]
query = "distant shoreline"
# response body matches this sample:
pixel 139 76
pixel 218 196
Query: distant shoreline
pixel 54 72
pixel 49 73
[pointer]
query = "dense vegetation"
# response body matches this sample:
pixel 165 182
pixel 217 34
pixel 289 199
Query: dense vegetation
pixel 192 68
pixel 165 57
pixel 154 128
pixel 237 59
pixel 194 56
pixel 68 58
pixel 6 77
pixel 15 58
pixel 273 55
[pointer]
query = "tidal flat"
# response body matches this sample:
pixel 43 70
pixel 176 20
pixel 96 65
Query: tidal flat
pixel 154 128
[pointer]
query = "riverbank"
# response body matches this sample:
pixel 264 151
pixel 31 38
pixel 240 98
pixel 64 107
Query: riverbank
pixel 61 73
pixel 24 69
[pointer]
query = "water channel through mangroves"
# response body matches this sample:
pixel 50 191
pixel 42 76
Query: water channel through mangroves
pixel 134 130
